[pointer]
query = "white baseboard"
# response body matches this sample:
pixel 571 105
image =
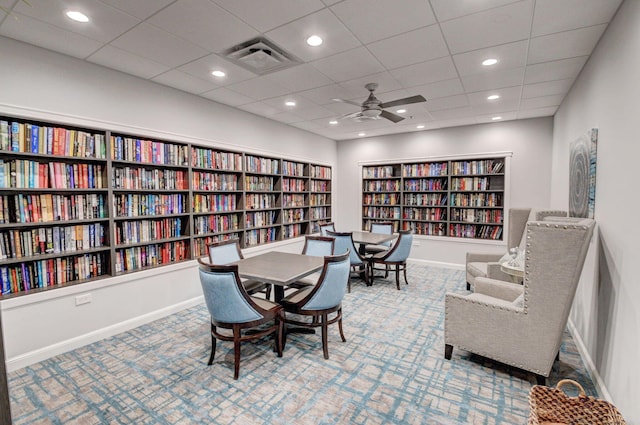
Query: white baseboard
pixel 588 362
pixel 454 266
pixel 44 353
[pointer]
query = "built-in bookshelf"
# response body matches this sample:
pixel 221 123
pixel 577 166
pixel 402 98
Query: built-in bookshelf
pixel 78 204
pixel 462 198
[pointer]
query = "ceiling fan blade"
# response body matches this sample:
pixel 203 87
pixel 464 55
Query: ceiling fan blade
pixel 350 115
pixel 391 116
pixel 405 101
pixel 347 101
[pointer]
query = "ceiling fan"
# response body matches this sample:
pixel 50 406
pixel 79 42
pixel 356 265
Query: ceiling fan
pixel 373 109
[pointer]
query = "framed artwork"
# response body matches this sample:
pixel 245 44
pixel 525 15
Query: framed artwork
pixel 582 177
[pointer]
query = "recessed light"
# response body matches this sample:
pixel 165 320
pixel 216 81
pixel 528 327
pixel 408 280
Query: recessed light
pixel 401 111
pixel 218 73
pixel 496 118
pixel 493 97
pixel 290 103
pixel 77 16
pixel 314 41
pixel 362 134
pixel 420 126
pixel 489 62
pixel 333 122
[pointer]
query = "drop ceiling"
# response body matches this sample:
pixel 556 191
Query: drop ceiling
pixel 408 47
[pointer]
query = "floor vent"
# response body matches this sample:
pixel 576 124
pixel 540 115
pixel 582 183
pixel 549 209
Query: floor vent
pixel 260 56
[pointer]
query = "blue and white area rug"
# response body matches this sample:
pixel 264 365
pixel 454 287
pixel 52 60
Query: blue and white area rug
pixel 391 370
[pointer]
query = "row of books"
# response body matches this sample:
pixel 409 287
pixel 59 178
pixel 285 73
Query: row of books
pixel 382 212
pixel 318 199
pixel 381 199
pixel 216 223
pixel 476 199
pixel 319 172
pixel 149 179
pixel 214 203
pixel 430 229
pixel 422 185
pixel 207 158
pixel 129 232
pixel 259 183
pixel 378 172
pixel 23 137
pixel 47 240
pixel 424 214
pixel 425 170
pixel 215 182
pixel 292 168
pixel 319 186
pixel 381 186
pixel 200 244
pixel 425 199
pixel 258 201
pixel 148 204
pixel 51 272
pixel 486 166
pixel 260 219
pixel 293 185
pixel 148 151
pixel 47 207
pixel 292 200
pixel 471 215
pixel 139 257
pixel 470 183
pixel 256 164
pixel 24 173
pixel 293 230
pixel 319 213
pixel 293 215
pixel 260 236
pixel 475 231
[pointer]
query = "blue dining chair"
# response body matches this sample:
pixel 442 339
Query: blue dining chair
pixel 344 243
pixel 319 246
pixel 322 299
pixel 384 227
pixel 231 307
pixel 326 226
pixel 395 257
pixel 226 252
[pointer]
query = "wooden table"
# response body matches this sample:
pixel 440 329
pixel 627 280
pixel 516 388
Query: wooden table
pixel 279 269
pixel 370 238
pixel 516 272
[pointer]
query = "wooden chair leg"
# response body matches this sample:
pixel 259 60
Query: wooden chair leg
pixel 267 292
pixel 236 352
pixel 325 349
pixel 398 276
pixel 213 346
pixel 541 380
pixel 279 333
pixel 340 326
pixel 448 351
pixel 404 270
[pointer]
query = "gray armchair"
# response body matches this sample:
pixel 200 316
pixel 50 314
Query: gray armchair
pixel 522 325
pixel 482 264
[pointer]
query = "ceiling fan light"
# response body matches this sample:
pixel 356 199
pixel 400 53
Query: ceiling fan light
pixel 371 113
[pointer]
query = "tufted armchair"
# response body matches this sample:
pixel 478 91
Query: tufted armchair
pixel 523 325
pixel 482 264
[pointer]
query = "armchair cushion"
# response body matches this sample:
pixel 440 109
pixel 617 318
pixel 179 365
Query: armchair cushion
pixel 498 289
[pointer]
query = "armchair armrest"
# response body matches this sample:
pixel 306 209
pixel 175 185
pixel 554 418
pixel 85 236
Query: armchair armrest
pixel 482 257
pixel 495 272
pixel 498 289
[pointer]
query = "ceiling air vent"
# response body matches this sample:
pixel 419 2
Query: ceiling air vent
pixel 260 56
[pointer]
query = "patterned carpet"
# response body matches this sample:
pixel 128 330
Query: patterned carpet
pixel 391 370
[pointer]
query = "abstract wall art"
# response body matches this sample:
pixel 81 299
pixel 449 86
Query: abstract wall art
pixel 582 177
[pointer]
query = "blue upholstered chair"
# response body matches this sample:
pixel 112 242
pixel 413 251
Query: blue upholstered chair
pixel 319 246
pixel 395 257
pixel 226 252
pixel 326 226
pixel 384 227
pixel 231 307
pixel 344 243
pixel 322 299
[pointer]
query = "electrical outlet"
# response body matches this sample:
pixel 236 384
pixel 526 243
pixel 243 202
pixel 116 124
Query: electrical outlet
pixel 83 299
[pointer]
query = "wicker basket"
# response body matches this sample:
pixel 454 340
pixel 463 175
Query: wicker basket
pixel 553 406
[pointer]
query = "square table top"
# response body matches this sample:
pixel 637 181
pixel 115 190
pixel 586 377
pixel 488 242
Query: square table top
pixel 371 238
pixel 279 268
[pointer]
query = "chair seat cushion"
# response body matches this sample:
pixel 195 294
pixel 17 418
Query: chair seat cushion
pixel 252 286
pixel 266 304
pixel 297 296
pixel 312 279
pixel 477 269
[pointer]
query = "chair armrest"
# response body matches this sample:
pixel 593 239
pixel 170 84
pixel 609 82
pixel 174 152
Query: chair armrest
pixel 497 288
pixel 482 257
pixel 495 272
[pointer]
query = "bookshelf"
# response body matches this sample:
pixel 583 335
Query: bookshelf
pixel 461 198
pixel 78 204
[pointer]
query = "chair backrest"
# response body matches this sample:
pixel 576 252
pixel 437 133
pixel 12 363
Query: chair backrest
pixel 400 250
pixel 344 243
pixel 331 286
pixel 326 226
pixel 518 218
pixel 384 227
pixel 225 296
pixel 224 252
pixel 319 246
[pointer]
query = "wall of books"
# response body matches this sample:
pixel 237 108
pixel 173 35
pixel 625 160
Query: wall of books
pixel 78 204
pixel 462 198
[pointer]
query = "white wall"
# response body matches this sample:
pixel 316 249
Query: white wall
pixel 606 314
pixel 529 141
pixel 40 84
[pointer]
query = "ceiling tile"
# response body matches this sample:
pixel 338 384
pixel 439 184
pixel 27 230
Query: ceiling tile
pixel 447 9
pixel 493 80
pixel 258 88
pixel 500 107
pixel 450 102
pixel 563 45
pixel 425 72
pixel 292 37
pixel 372 20
pixel 204 24
pixel 554 70
pixel 534 113
pixel 228 97
pixel 439 89
pixel 445 114
pixel 267 16
pixel 541 102
pixel 456 122
pixel 501 25
pixel 506 95
pixel 141 9
pixel 203 67
pixel 348 65
pixel 286 117
pixel 510 55
pixel 326 94
pixel 574 15
pixel 306 125
pixel 279 102
pixel 384 80
pixel 153 43
pixel 184 82
pixel 412 47
pixel 504 116
pixel 260 108
pixel 115 58
pixel 547 88
pixel 298 78
pixel 314 112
